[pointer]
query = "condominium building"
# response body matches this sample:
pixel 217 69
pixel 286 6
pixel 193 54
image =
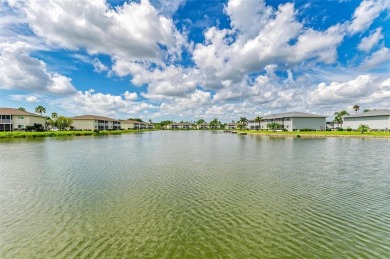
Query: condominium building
pixel 376 119
pixel 182 125
pixel 291 121
pixel 14 119
pixel 92 122
pixel 203 126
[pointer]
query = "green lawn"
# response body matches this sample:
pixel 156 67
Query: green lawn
pixel 22 134
pixel 319 133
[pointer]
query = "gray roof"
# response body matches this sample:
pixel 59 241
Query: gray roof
pixel 380 112
pixel 293 114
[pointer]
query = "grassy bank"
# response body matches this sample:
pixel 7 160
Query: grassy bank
pixel 22 134
pixel 312 134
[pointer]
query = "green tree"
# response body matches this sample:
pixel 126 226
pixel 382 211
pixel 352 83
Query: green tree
pixel 62 123
pixel 40 109
pixel 54 115
pixel 200 121
pixel 356 108
pixel 21 109
pixel 274 126
pixel 243 121
pixel 258 119
pixel 135 119
pixel 338 117
pixel 362 128
pixel 367 110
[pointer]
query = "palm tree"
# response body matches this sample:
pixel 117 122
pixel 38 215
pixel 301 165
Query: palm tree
pixel 356 108
pixel 54 115
pixel 338 117
pixel 40 109
pixel 21 109
pixel 258 119
pixel 244 121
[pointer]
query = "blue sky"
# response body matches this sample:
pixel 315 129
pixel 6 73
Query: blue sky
pixel 191 59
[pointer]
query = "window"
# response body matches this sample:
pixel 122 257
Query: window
pixel 20 126
pixel 20 117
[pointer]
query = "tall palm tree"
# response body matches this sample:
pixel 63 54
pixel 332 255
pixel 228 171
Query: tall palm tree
pixel 244 121
pixel 54 115
pixel 258 119
pixel 338 117
pixel 356 108
pixel 40 109
pixel 21 109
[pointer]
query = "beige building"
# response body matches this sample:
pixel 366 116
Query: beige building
pixel 231 126
pixel 13 119
pixel 182 125
pixel 203 126
pixel 130 124
pixel 92 122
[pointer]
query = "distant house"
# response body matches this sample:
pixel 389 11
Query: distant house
pixel 231 126
pixel 376 119
pixel 14 119
pixel 203 126
pixel 92 122
pixel 130 124
pixel 146 125
pixel 182 125
pixel 291 121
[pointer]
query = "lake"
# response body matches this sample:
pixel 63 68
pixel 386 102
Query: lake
pixel 194 194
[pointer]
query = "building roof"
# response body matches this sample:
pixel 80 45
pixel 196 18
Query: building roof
pixel 381 112
pixel 203 124
pixel 92 117
pixel 12 111
pixel 131 121
pixel 293 115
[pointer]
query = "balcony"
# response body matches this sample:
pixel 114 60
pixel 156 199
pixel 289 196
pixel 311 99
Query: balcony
pixel 5 121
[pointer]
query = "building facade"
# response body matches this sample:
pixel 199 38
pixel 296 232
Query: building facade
pixel 14 119
pixel 376 120
pixel 182 125
pixel 203 126
pixel 291 121
pixel 92 122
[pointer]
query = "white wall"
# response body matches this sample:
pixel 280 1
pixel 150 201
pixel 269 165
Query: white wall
pixel 374 122
pixel 309 123
pixel 84 124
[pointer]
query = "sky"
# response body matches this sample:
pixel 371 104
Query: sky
pixel 190 59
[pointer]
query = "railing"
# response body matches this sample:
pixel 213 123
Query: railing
pixel 5 121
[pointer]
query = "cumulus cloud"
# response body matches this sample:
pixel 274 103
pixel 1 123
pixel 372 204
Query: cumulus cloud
pixel 130 96
pixel 376 58
pixel 133 30
pixel 362 89
pixel 19 70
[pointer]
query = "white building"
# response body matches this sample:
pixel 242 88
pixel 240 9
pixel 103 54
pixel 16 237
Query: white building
pixel 14 119
pixel 181 125
pixel 376 120
pixel 291 121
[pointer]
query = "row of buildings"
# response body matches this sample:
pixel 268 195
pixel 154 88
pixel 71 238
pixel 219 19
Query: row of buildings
pixel 13 119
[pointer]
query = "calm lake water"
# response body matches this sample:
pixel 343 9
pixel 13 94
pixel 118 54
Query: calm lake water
pixel 194 194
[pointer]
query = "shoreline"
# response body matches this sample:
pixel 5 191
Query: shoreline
pixel 67 133
pixel 346 134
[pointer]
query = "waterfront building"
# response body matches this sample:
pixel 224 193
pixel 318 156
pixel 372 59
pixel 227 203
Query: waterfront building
pixel 181 125
pixel 204 125
pixel 291 121
pixel 376 120
pixel 231 126
pixel 131 124
pixel 92 122
pixel 14 119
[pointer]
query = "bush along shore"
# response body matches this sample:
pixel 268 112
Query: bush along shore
pixel 24 134
pixel 317 134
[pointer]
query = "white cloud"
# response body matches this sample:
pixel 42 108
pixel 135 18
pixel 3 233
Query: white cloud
pixel 367 43
pixel 366 13
pixel 362 89
pixel 25 98
pixel 133 30
pixel 99 66
pixel 377 58
pixel 130 96
pixel 18 70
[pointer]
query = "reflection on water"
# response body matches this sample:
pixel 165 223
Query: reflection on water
pixel 194 194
